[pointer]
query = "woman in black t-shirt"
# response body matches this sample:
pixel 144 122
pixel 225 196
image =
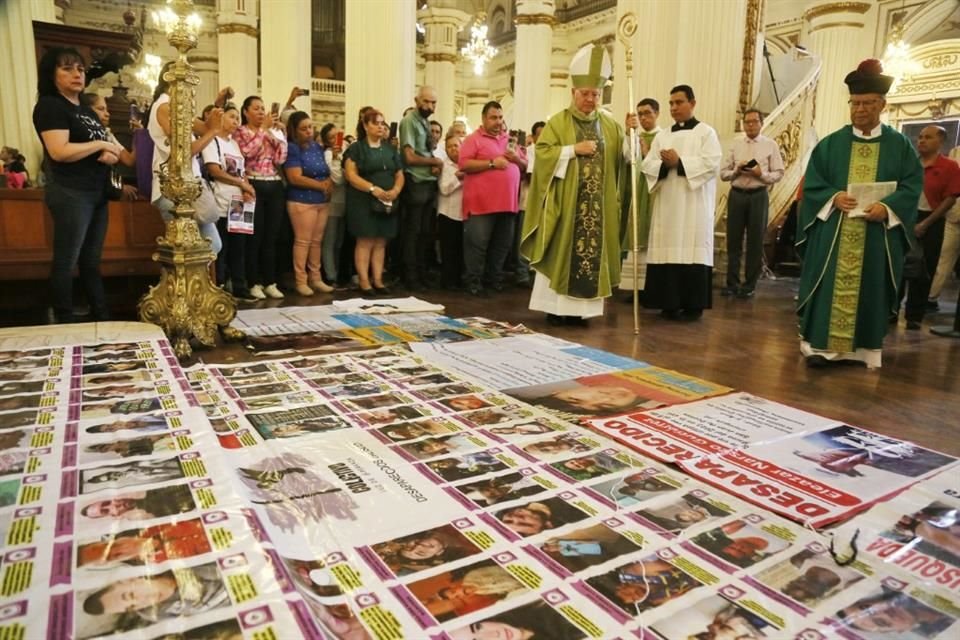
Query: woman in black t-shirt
pixel 77 159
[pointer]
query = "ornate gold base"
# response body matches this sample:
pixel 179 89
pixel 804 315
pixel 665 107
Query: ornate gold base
pixel 185 303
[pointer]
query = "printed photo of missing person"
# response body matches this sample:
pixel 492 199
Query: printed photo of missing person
pixel 113 367
pixel 467 402
pixel 427 380
pixel 110 356
pixel 21 419
pixel 591 396
pixel 24 375
pixel 13 355
pixel 893 614
pixel 120 407
pixel 715 618
pixel 500 489
pixel 358 389
pixel 379 401
pixel 115 449
pixel 536 427
pixel 245 370
pixel 456 593
pixel 809 577
pixel 117 392
pixel 255 379
pixel 583 548
pixel 13 462
pixel 145 424
pixel 136 603
pixel 312 576
pixel 404 431
pixel 558 446
pixel 466 466
pixel 20 388
pixel 14 438
pixel 136 506
pixel 269 402
pixel 740 543
pixel 589 467
pixel 110 346
pixel 848 452
pixel 228 629
pixel 429 448
pixel 322 380
pixel 9 490
pixel 445 390
pixel 534 621
pixel 310 341
pixel 150 545
pixel 643 585
pixel 17 403
pixel 131 377
pixel 933 530
pixel 686 511
pixel 339 621
pixel 536 517
pixel 302 428
pixel 424 550
pixel 270 389
pixel 634 488
pixel 413 371
pixel 394 414
pixel 130 474
pixel 490 416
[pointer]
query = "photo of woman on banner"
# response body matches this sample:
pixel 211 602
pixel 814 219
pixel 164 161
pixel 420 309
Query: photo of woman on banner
pixel 536 517
pixel 512 486
pixel 589 467
pixel 461 591
pixel 715 618
pixel 893 614
pixel 152 422
pixel 313 576
pixel 161 502
pixel 465 403
pixel 582 548
pixel 121 407
pixel 130 474
pixel 590 396
pixel 136 603
pixel 442 446
pixel 418 551
pixel 534 621
pixel 138 547
pixel 142 446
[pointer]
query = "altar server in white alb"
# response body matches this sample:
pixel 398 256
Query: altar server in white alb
pixel 681 169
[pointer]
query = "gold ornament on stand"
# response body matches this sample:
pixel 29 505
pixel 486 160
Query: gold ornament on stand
pixel 186 304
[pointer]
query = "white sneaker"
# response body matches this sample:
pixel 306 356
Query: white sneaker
pixel 256 292
pixel 272 291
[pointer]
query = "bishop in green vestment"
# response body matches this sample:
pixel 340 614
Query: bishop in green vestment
pixel 853 251
pixel 571 229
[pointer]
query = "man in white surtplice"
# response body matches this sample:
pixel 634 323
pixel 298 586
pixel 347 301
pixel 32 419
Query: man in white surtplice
pixel 681 168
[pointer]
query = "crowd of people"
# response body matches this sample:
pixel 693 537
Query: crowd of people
pixel 402 204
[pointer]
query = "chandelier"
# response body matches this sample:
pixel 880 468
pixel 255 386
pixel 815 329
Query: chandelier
pixel 478 50
pixel 896 58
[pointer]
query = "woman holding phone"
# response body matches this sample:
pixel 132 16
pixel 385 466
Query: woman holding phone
pixel 373 170
pixel 264 149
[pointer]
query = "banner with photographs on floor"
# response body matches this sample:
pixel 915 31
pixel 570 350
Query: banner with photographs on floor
pixel 376 494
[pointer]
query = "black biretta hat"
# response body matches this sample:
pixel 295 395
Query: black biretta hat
pixel 868 78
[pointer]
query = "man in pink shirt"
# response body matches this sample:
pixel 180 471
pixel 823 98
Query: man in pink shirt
pixel 491 190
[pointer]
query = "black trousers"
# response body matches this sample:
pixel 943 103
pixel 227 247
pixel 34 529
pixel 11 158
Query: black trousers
pixel 918 289
pixel 268 218
pixel 746 214
pixel 419 201
pixel 450 233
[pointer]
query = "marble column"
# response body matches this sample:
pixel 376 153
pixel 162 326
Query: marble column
pixel 532 80
pixel 478 94
pixel 834 31
pixel 237 41
pixel 441 26
pixel 668 52
pixel 285 51
pixel 381 56
pixel 18 68
pixel 206 68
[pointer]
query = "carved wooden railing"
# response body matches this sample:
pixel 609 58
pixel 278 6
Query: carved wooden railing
pixel 791 125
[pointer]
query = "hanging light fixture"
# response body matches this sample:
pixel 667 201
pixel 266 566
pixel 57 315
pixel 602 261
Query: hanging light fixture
pixel 478 50
pixel 896 58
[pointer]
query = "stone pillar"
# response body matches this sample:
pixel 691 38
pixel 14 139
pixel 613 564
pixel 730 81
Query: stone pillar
pixel 206 68
pixel 834 31
pixel 532 79
pixel 285 51
pixel 18 68
pixel 477 95
pixel 559 84
pixel 440 56
pixel 237 39
pixel 380 57
pixel 678 47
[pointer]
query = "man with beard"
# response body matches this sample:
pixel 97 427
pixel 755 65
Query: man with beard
pixel 419 195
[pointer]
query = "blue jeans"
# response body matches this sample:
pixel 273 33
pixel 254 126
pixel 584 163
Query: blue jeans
pixel 487 239
pixel 79 228
pixel 332 244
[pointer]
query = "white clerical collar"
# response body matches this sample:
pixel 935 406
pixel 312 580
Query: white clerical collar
pixel 656 129
pixel 874 133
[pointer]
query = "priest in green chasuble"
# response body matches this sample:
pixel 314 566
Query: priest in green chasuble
pixel 571 232
pixel 853 251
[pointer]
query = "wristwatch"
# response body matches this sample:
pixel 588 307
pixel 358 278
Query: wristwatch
pixel 370 190
pixel 490 165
